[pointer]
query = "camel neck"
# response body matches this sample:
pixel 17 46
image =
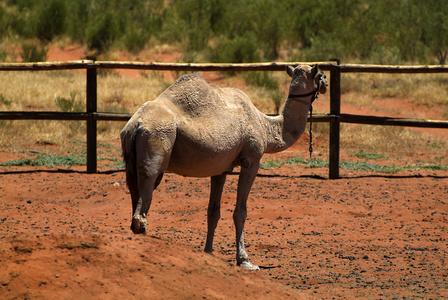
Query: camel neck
pixel 285 129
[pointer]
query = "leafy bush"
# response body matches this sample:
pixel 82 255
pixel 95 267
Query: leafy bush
pixel 77 20
pixel 244 30
pixel 266 81
pixel 50 19
pixel 241 49
pixel 102 32
pixel 33 53
pixel 135 40
pixel 261 79
pixel 69 104
pixel 3 55
pixel 278 98
pixel 5 101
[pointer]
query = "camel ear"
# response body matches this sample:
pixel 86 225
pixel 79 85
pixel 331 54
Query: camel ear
pixel 314 70
pixel 290 70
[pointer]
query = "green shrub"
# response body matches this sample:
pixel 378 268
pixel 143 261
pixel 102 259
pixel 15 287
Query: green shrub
pixel 5 101
pixel 21 4
pixel 50 19
pixel 33 53
pixel 102 32
pixel 77 20
pixel 243 30
pixel 278 98
pixel 70 104
pixel 262 79
pixel 266 81
pixel 362 154
pixel 3 55
pixel 241 49
pixel 135 39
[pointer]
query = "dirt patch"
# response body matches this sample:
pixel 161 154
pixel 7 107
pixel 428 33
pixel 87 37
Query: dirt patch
pixel 65 233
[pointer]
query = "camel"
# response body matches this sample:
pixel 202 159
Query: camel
pixel 197 129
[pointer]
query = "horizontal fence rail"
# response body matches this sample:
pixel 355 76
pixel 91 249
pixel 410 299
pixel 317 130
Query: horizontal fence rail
pixel 67 116
pixel 386 121
pixel 342 118
pixel 203 67
pixel 155 66
pixel 335 117
pixel 350 68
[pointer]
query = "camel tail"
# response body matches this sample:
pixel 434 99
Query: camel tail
pixel 128 139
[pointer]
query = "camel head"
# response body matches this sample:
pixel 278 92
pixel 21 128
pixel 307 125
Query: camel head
pixel 306 79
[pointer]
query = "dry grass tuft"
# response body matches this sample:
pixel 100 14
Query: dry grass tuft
pixel 422 89
pixel 388 139
pixel 43 91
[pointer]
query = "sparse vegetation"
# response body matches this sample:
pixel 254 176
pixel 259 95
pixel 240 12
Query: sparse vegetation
pixel 71 104
pixel 4 101
pixel 362 154
pixel 33 53
pixel 49 19
pixel 421 89
pixel 270 84
pixel 350 165
pixel 47 160
pixel 51 160
pixel 242 30
pixel 65 91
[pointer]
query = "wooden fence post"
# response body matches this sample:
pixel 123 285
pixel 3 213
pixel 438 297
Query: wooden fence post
pixel 91 106
pixel 335 109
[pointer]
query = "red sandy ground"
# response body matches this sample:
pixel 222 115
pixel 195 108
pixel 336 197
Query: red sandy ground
pixel 64 234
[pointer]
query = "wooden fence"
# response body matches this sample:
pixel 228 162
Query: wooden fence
pixel 335 117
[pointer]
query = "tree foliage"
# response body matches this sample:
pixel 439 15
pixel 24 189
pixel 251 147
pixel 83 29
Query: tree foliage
pixel 377 31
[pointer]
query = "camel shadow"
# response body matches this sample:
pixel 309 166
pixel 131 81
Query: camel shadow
pixel 396 176
pixel 318 177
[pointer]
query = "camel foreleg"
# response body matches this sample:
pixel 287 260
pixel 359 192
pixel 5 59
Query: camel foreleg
pixel 214 209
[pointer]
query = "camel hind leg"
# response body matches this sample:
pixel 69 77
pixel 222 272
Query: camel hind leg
pixel 152 161
pixel 146 188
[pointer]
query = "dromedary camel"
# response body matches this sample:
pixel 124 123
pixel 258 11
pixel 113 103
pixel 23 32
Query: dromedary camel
pixel 198 129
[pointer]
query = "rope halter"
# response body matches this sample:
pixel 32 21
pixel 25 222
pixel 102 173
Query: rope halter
pixel 314 95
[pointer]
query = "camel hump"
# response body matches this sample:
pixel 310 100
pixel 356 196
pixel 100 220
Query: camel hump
pixel 188 77
pixel 193 95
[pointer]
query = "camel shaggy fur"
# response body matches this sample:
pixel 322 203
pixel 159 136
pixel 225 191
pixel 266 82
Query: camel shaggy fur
pixel 195 128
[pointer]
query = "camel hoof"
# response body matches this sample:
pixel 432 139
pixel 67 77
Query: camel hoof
pixel 138 226
pixel 249 266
